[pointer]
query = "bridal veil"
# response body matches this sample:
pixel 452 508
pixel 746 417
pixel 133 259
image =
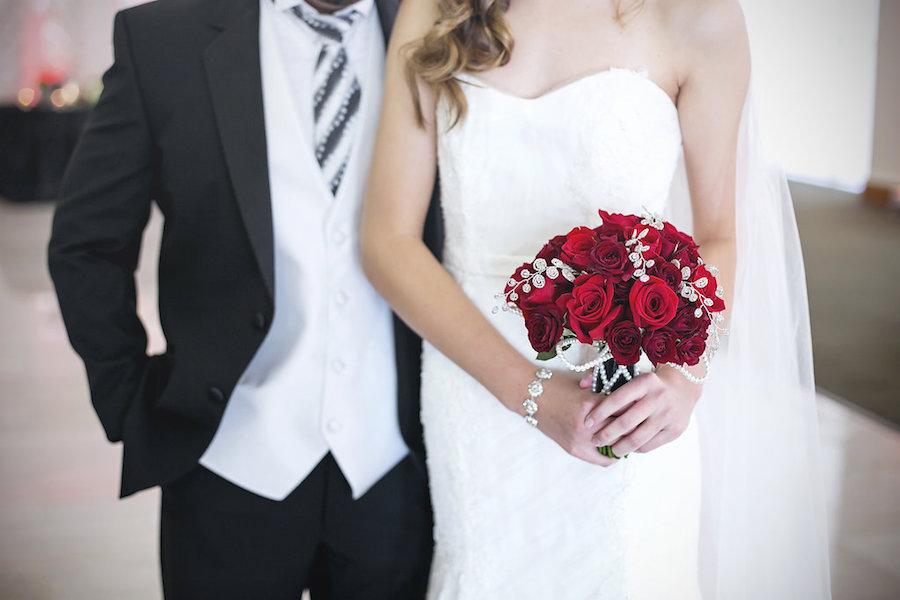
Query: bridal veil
pixel 763 531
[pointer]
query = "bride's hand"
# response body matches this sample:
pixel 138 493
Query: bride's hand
pixel 562 410
pixel 642 415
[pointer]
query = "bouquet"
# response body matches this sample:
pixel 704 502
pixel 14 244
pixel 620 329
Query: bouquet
pixel 632 285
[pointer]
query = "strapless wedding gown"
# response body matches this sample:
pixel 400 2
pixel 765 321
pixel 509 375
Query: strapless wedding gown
pixel 516 516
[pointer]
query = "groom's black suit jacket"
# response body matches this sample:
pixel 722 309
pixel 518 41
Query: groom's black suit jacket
pixel 180 122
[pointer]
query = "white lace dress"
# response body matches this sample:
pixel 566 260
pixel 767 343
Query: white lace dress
pixel 515 516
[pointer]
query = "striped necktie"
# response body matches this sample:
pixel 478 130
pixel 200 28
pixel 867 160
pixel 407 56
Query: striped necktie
pixel 336 94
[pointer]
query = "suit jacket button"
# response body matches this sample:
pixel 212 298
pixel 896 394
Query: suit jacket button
pixel 215 395
pixel 259 321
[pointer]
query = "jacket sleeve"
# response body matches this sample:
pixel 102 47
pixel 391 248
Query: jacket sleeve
pixel 103 209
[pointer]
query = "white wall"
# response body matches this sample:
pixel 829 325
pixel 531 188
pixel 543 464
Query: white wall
pixel 76 34
pixel 10 26
pixel 886 143
pixel 814 73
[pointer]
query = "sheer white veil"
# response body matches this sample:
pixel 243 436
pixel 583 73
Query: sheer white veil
pixel 763 533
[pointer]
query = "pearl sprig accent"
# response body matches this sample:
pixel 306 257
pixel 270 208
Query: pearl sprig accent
pixel 532 280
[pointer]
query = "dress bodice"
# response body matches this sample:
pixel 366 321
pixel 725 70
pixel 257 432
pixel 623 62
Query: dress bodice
pixel 516 171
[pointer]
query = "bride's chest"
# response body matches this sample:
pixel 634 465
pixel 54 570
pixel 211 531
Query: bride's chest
pixel 610 139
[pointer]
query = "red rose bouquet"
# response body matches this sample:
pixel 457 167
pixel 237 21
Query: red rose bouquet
pixel 632 285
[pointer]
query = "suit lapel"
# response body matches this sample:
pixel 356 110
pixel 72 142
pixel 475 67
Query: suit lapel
pixel 233 74
pixel 387 14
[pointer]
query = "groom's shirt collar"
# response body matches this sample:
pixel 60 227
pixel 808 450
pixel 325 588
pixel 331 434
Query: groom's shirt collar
pixel 363 7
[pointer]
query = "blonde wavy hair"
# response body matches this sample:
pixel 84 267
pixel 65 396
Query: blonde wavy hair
pixel 469 35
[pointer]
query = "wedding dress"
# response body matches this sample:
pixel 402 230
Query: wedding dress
pixel 516 516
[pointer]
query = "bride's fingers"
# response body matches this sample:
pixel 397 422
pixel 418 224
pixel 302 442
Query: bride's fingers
pixel 616 402
pixel 637 439
pixel 624 424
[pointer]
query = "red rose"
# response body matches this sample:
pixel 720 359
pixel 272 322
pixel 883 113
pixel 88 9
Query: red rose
pixel 591 307
pixel 576 251
pixel 624 340
pixel 610 258
pixel 653 239
pixel 687 256
pixel 686 324
pixel 551 249
pixel 706 284
pixel 690 350
pixel 666 246
pixel 676 240
pixel 545 327
pixel 668 273
pixel 653 303
pixel 547 295
pixel 659 344
pixel 616 224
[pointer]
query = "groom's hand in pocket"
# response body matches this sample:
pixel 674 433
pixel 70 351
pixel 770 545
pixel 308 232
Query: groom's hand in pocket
pixel 645 413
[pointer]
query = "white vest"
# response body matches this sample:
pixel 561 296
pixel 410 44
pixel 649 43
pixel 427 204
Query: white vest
pixel 324 378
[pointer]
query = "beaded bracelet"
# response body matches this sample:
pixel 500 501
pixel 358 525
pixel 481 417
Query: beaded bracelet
pixel 535 389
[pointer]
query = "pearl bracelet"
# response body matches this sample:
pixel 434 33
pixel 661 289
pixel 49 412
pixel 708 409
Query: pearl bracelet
pixel 535 389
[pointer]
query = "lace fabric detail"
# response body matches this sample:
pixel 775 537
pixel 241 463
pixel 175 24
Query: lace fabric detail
pixel 515 515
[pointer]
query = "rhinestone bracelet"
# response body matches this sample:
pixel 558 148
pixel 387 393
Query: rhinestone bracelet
pixel 535 389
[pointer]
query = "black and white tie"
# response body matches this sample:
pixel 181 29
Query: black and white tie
pixel 336 94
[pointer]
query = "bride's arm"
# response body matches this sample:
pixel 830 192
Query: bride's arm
pixel 409 277
pixel 715 67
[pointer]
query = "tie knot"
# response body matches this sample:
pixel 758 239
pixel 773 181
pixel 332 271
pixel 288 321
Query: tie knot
pixel 331 27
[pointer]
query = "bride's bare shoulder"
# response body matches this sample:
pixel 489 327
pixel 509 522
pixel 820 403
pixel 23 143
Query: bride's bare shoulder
pixel 704 25
pixel 706 37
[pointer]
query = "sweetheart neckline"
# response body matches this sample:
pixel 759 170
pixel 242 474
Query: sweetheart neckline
pixel 641 75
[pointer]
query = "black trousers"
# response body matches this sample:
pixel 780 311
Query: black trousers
pixel 220 541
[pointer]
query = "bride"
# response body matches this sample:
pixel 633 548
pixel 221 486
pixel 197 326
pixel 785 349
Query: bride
pixel 536 113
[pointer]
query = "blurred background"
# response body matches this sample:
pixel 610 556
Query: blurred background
pixel 827 78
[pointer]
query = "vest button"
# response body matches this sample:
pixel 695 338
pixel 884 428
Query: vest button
pixel 215 395
pixel 259 321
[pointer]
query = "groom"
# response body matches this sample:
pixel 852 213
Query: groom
pixel 282 420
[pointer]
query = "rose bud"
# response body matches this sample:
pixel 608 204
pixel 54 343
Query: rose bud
pixel 624 341
pixel 687 324
pixel 552 248
pixel 659 344
pixel 620 225
pixel 690 350
pixel 668 273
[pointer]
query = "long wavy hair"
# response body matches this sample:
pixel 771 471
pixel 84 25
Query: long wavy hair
pixel 469 35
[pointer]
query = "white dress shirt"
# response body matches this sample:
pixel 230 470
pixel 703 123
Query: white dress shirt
pixel 324 378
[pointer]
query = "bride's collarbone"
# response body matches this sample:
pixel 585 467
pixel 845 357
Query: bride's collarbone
pixel 557 44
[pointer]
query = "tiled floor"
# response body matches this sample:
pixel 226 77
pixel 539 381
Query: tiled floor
pixel 63 534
